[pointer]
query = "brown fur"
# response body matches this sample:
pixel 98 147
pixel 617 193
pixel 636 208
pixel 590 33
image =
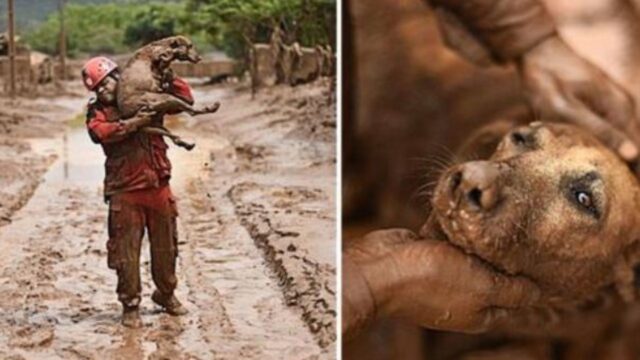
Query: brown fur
pixel 583 265
pixel 148 74
pixel 537 229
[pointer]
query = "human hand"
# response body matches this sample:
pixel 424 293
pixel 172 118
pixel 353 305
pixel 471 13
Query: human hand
pixel 435 285
pixel 142 118
pixel 561 84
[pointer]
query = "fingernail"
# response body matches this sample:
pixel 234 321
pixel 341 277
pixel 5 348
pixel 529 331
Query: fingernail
pixel 628 150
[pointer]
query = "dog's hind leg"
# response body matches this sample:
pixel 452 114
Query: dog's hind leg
pixel 210 109
pixel 164 132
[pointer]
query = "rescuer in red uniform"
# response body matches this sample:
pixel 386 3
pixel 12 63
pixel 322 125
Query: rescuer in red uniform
pixel 136 186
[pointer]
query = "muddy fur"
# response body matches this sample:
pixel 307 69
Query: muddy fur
pixel 146 77
pixel 537 228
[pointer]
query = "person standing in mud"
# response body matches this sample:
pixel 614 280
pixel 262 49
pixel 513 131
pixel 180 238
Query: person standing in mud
pixel 136 186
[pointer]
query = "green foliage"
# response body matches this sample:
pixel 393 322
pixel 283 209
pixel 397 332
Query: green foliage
pixel 90 29
pixel 234 24
pixel 227 24
pixel 152 23
pixel 108 28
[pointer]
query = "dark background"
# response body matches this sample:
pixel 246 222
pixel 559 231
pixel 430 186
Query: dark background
pixel 408 103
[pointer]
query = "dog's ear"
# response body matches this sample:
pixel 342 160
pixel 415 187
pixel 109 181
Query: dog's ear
pixel 627 273
pixel 174 43
pixel 166 55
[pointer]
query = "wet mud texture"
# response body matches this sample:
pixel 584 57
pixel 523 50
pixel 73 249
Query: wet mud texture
pixel 21 168
pixel 275 153
pixel 279 180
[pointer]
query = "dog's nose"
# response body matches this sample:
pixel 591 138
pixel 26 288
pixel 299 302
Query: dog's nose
pixel 476 183
pixel 194 56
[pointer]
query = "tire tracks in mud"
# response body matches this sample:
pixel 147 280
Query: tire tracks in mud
pixel 228 273
pixel 306 283
pixel 275 179
pixel 58 301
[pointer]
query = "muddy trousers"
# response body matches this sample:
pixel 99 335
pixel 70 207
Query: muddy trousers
pixel 130 214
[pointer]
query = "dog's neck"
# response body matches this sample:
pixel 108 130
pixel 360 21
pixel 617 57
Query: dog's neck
pixel 160 66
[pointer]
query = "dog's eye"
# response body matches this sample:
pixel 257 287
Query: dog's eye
pixel 518 139
pixel 585 193
pixel 584 199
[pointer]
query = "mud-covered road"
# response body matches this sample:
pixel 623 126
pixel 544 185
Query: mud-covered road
pixel 257 234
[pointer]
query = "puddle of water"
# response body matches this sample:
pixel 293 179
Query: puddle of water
pixel 81 162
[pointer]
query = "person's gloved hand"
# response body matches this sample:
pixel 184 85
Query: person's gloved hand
pixel 562 85
pixel 429 283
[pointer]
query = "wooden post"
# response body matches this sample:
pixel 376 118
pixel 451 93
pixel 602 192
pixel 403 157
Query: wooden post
pixel 63 42
pixel 12 51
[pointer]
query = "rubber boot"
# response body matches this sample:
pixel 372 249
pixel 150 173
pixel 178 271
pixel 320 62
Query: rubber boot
pixel 131 317
pixel 171 305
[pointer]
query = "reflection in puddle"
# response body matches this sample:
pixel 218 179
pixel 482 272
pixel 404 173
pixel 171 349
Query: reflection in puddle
pixel 81 162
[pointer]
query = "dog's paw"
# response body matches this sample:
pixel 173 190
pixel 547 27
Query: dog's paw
pixel 212 108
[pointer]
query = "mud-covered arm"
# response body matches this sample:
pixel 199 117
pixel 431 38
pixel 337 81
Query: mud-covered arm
pixel 493 30
pixel 559 84
pixel 393 273
pixel 102 130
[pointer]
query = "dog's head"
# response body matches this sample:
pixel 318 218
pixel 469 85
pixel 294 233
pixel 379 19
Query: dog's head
pixel 174 48
pixel 552 204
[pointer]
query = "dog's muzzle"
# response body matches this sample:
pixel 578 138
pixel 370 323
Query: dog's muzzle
pixel 194 57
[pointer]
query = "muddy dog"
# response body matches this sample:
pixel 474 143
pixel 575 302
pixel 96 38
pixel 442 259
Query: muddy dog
pixel 554 205
pixel 147 76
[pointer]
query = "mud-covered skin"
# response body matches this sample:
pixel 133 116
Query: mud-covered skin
pixel 564 213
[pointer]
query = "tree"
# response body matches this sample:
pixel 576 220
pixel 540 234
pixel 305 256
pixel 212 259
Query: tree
pixel 152 22
pixel 91 29
pixel 231 25
pixel 236 24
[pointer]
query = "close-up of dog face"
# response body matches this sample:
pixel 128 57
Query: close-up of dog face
pixel 551 204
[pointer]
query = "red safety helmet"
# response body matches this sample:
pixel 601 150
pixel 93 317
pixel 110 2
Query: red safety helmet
pixel 96 69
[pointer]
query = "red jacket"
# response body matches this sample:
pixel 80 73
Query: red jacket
pixel 135 160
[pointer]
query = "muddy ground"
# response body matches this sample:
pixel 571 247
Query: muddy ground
pixel 257 233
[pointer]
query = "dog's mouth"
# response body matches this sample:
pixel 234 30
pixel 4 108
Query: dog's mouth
pixel 192 57
pixel 459 218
